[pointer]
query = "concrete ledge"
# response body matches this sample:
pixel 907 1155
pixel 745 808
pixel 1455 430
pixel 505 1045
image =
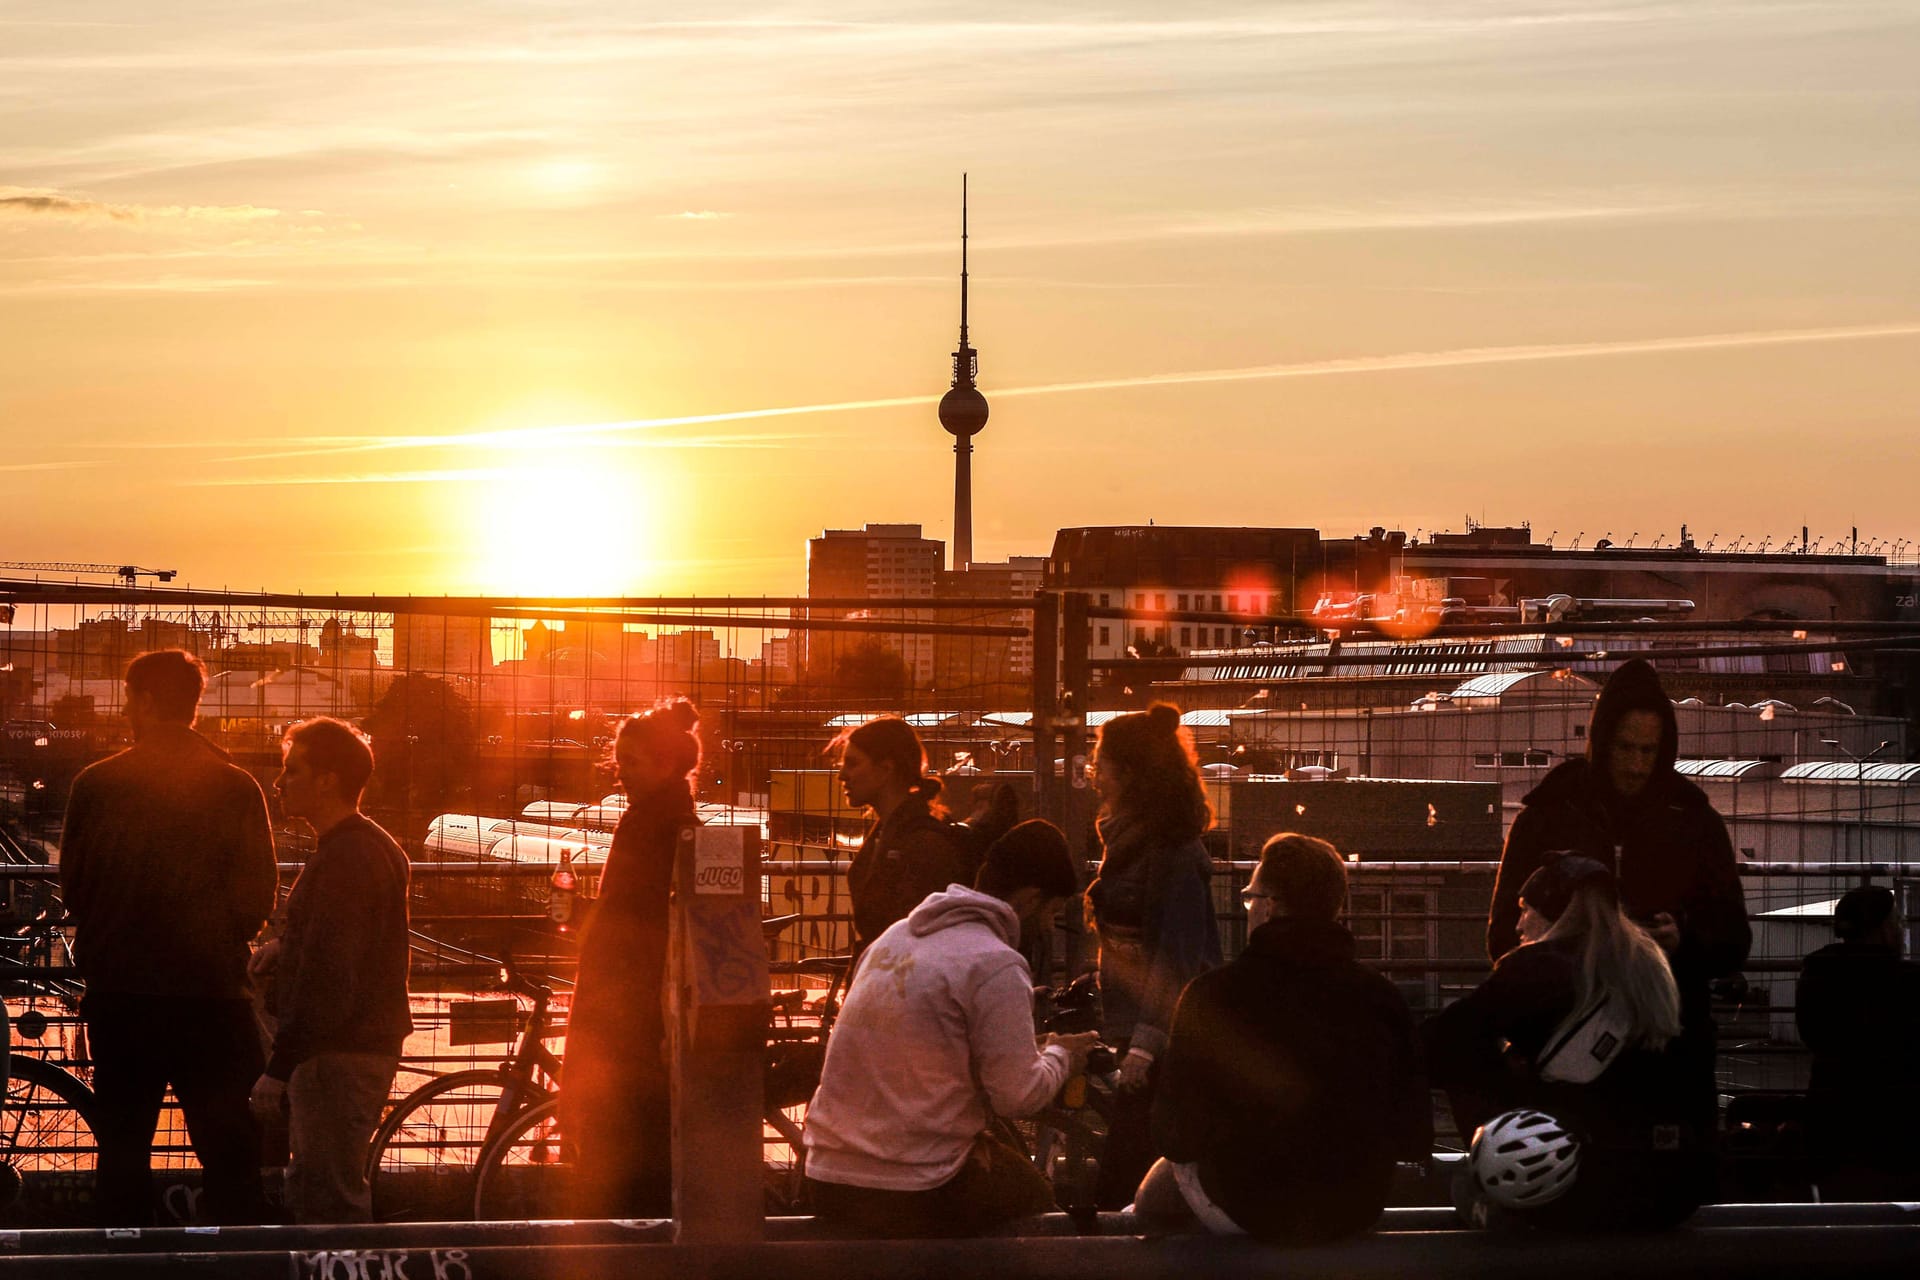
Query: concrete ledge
pixel 1745 1240
pixel 1756 1253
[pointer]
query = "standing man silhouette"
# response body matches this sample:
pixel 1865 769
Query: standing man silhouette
pixel 337 978
pixel 166 866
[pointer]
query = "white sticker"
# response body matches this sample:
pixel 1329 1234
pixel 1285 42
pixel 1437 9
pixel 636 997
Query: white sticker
pixel 719 857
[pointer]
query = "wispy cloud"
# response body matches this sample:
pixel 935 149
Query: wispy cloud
pixel 443 476
pixel 544 437
pixel 697 215
pixel 756 440
pixel 31 202
pixel 46 466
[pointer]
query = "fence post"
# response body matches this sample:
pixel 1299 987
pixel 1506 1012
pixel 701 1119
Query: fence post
pixel 1076 806
pixel 1046 692
pixel 717 1036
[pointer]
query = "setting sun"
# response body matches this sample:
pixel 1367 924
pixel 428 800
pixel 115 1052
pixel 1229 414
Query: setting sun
pixel 576 522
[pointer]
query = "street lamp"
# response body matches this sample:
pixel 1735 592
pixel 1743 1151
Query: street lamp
pixel 1860 763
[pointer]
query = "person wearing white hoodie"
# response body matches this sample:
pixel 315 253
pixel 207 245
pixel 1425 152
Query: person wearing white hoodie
pixel 935 1038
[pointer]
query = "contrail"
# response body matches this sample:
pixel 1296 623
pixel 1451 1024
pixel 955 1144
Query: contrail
pixel 1404 361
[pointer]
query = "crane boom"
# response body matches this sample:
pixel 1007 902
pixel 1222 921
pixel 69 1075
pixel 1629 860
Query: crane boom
pixel 128 574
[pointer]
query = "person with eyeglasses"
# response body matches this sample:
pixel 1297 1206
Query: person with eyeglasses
pixel 1291 1085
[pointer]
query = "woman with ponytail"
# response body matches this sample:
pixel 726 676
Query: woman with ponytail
pixel 1151 906
pixel 1578 1022
pixel 613 1091
pixel 911 850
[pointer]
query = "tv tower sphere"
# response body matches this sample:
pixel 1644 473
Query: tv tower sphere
pixel 963 410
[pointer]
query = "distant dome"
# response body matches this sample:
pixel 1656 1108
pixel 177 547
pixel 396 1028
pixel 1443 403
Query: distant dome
pixel 963 411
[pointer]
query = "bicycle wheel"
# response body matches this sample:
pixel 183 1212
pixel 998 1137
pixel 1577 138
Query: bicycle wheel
pixel 525 1172
pixel 46 1126
pixel 783 1160
pixel 422 1157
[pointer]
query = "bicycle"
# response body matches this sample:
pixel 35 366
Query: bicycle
pixel 422 1159
pixel 1065 1140
pixel 48 1115
pixel 524 1171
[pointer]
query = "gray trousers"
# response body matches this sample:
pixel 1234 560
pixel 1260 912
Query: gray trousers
pixel 334 1101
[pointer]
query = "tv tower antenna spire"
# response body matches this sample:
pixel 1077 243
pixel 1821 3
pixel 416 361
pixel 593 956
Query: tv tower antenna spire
pixel 963 412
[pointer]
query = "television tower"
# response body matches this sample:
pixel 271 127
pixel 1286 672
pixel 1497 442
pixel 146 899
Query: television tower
pixel 963 412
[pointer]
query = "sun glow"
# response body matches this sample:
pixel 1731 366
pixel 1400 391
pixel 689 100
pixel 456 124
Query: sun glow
pixel 568 523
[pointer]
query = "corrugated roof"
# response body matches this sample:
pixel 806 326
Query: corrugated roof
pixel 1893 774
pixel 1497 684
pixel 1723 770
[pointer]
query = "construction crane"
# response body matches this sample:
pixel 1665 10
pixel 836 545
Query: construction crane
pixel 129 574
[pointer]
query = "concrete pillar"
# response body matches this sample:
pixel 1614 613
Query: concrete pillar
pixel 717 1036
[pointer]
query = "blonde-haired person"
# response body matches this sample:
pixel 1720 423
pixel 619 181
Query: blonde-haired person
pixel 614 1101
pixel 1151 907
pixel 1579 1022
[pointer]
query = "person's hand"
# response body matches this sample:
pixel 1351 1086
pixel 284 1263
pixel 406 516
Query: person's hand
pixel 1133 1071
pixel 268 1101
pixel 265 959
pixel 1665 930
pixel 1078 1046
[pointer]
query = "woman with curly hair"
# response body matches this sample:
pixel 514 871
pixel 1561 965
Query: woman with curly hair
pixel 614 1103
pixel 1151 907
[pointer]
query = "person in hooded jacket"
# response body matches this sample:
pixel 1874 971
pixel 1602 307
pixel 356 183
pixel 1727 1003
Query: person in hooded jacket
pixel 1624 806
pixel 935 1039
pixel 1291 1085
pixel 1858 1006
pixel 615 1104
pixel 1579 1022
pixel 1151 906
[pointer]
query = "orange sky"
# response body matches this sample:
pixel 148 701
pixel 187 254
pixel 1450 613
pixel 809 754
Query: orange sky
pixel 497 296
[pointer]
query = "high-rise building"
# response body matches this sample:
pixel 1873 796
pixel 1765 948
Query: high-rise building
pixel 988 669
pixel 879 562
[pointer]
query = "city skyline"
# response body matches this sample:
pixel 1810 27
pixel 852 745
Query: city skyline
pixel 526 298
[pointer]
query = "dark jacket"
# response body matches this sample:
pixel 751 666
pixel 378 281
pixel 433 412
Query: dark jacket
pixel 1667 848
pixel 1858 1007
pixel 616 1024
pixel 340 985
pixel 166 865
pixel 1152 904
pixel 1645 1143
pixel 1293 1080
pixel 1484 1046
pixel 1668 851
pixel 905 857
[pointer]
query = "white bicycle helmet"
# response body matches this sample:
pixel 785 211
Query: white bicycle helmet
pixel 1523 1159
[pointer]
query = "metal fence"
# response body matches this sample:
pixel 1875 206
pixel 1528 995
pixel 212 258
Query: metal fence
pixel 491 718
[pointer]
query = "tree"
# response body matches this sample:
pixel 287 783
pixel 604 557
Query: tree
pixel 423 750
pixel 871 670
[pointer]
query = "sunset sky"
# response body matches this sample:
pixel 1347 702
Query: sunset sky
pixel 590 297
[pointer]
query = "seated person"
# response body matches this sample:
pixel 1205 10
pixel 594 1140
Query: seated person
pixel 1859 1012
pixel 1291 1083
pixel 1576 1022
pixel 937 1029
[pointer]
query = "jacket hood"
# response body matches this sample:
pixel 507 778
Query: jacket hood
pixel 958 905
pixel 1633 687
